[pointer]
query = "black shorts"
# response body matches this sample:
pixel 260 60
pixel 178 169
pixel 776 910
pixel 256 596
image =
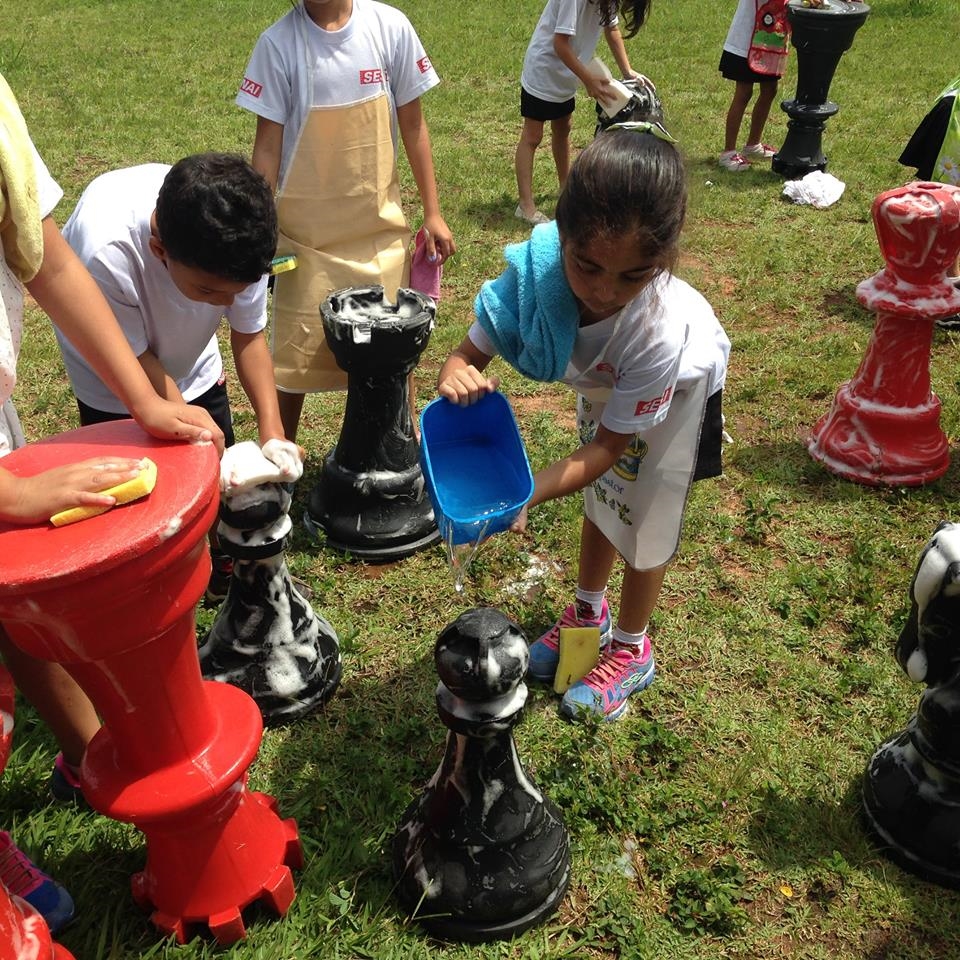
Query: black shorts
pixel 533 108
pixel 710 447
pixel 736 68
pixel 214 401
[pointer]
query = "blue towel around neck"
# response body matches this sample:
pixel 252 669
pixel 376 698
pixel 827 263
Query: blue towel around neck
pixel 529 311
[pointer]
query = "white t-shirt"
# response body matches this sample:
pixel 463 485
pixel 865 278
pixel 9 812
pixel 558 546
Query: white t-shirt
pixel 110 232
pixel 741 28
pixel 377 45
pixel 544 73
pixel 663 340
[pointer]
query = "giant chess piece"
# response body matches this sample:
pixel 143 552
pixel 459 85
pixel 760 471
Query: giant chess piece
pixel 371 501
pixel 820 35
pixel 884 424
pixel 267 640
pixel 482 855
pixel 112 599
pixel 911 792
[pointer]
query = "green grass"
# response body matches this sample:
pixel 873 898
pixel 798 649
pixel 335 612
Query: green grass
pixel 720 818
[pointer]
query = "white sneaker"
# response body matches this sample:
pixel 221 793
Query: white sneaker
pixel 533 219
pixel 758 150
pixel 731 160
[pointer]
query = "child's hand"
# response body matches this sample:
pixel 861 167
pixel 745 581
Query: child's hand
pixel 170 420
pixel 36 498
pixel 599 88
pixel 520 524
pixel 642 80
pixel 465 385
pixel 440 244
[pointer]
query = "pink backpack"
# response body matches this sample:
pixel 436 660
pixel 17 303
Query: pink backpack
pixel 771 30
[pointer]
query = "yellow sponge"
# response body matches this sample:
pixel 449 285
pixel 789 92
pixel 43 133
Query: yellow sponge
pixel 124 492
pixel 579 653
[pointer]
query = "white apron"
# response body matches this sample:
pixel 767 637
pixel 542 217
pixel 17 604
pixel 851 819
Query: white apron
pixel 340 214
pixel 638 504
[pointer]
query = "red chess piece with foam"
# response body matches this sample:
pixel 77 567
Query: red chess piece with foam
pixel 112 598
pixel 884 425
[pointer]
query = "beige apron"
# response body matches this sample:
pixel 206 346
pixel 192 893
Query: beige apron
pixel 340 215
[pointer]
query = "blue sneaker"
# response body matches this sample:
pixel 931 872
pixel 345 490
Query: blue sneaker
pixel 545 652
pixel 23 878
pixel 623 670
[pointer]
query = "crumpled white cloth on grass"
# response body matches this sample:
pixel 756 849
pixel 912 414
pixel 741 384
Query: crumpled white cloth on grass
pixel 817 188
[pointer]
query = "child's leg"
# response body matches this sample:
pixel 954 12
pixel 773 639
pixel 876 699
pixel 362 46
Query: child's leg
pixel 291 406
pixel 530 136
pixel 638 597
pixel 742 93
pixel 761 110
pixel 56 697
pixel 596 562
pixel 560 144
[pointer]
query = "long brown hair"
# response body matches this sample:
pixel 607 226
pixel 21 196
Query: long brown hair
pixel 632 12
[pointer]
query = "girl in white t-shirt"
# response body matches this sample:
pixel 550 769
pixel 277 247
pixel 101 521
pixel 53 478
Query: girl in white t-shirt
pixel 555 63
pixel 591 301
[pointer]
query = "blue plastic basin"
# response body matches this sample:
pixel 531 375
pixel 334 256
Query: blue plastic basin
pixel 475 466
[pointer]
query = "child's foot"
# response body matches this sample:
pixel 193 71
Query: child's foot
pixel 623 669
pixel 23 878
pixel 533 217
pixel 545 652
pixel 64 783
pixel 731 160
pixel 758 150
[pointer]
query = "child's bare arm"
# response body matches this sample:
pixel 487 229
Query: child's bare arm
pixel 267 149
pixel 37 498
pixel 597 87
pixel 416 143
pixel 251 357
pixel 461 378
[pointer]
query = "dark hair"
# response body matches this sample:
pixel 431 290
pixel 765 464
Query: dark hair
pixel 633 13
pixel 626 184
pixel 216 213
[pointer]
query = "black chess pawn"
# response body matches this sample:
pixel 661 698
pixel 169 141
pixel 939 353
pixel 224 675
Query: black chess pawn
pixel 482 855
pixel 267 640
pixel 911 791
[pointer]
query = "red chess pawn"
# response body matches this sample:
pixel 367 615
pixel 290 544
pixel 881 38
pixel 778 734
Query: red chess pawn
pixel 884 425
pixel 112 598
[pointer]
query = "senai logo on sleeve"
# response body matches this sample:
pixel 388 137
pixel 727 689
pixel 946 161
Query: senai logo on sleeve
pixel 251 87
pixel 424 65
pixel 652 406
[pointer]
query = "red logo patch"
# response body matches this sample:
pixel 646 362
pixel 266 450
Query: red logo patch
pixel 424 64
pixel 652 406
pixel 251 87
pixel 371 76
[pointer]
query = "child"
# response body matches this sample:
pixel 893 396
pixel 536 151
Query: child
pixel 754 52
pixel 562 45
pixel 33 254
pixel 330 84
pixel 175 250
pixel 591 301
pixel 934 149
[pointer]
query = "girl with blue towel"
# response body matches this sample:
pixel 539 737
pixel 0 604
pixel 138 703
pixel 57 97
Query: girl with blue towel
pixel 591 301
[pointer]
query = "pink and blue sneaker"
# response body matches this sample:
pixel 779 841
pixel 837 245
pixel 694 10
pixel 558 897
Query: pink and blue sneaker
pixel 545 652
pixel 624 669
pixel 23 878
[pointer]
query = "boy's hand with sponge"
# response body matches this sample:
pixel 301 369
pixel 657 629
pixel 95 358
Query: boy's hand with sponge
pixel 84 484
